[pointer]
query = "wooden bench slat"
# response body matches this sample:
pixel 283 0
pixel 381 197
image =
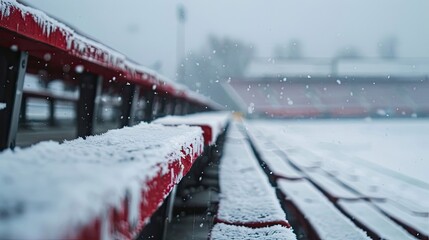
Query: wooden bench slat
pixel 374 220
pixel 246 195
pixel 330 186
pixel 279 167
pixel 419 223
pixel 328 221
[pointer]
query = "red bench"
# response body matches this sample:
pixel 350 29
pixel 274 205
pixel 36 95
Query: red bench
pixel 104 186
pixel 33 42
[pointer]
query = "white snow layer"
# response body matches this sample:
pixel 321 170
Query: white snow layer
pixel 222 231
pixel 2 106
pixel 51 188
pixel 246 195
pixel 328 221
pixel 367 214
pixel 217 121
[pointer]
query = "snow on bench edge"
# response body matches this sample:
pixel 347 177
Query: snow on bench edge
pixel 52 189
pixel 328 221
pixel 216 121
pixel 222 231
pixel 246 194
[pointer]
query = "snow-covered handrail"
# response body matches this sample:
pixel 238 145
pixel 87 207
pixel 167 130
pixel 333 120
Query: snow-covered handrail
pixel 104 187
pixel 66 51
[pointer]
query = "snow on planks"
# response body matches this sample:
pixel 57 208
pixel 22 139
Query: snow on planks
pixel 276 164
pixel 229 232
pixel 248 206
pixel 340 176
pixel 328 221
pixel 103 187
pixel 416 223
pixel 365 213
pixel 212 123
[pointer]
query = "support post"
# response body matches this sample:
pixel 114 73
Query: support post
pixel 89 89
pixel 148 109
pixel 172 105
pixel 130 94
pixel 51 112
pixel 185 107
pixel 23 112
pixel 163 106
pixel 12 71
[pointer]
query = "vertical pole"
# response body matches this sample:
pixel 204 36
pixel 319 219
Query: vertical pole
pixel 23 111
pixel 128 105
pixel 89 87
pixel 148 109
pixel 51 112
pixel 12 71
pixel 134 106
pixel 172 105
pixel 185 107
pixel 163 106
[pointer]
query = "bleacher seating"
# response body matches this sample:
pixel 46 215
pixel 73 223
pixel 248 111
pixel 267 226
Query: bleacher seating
pixel 353 196
pixel 333 97
pixel 108 186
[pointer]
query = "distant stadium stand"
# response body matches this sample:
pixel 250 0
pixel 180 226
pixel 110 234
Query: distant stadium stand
pixel 267 91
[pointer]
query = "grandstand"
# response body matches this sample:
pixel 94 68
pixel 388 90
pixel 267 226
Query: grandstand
pixel 320 94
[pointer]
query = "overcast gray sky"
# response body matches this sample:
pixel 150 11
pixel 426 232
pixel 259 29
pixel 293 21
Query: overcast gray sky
pixel 146 30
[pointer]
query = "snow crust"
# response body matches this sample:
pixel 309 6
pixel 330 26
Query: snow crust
pixel 217 121
pixel 2 106
pixel 222 231
pixel 246 194
pixel 328 221
pixel 50 189
pixel 367 214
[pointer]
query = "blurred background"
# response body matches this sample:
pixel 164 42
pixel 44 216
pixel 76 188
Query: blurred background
pixel 277 59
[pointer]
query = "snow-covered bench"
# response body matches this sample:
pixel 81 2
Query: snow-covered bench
pixel 384 205
pixel 372 219
pixel 213 124
pixel 103 187
pixel 327 221
pixel 33 42
pixel 247 198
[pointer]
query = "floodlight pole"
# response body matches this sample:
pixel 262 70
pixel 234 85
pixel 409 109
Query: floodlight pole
pixel 180 41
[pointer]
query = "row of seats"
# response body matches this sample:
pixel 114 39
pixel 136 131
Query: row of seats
pixel 330 192
pixel 102 187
